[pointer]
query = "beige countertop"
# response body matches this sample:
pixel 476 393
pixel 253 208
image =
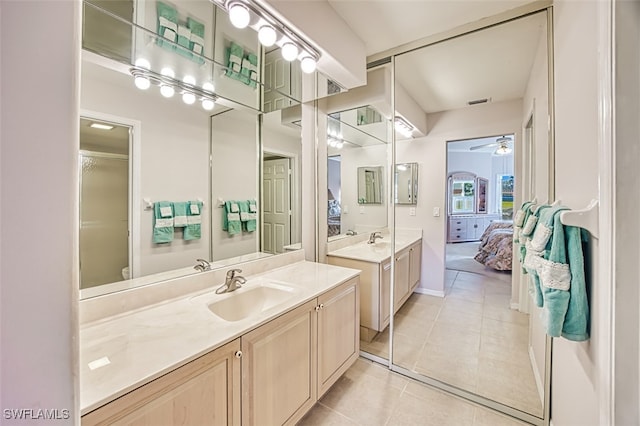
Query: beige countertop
pixel 378 252
pixel 121 353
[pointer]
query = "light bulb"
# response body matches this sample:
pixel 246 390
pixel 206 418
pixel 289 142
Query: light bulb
pixel 339 145
pixel 208 104
pixel 289 51
pixel 188 98
pixel 239 15
pixel 167 91
pixel 142 63
pixel 267 35
pixel 142 83
pixel 189 80
pixel 166 71
pixel 208 87
pixel 308 64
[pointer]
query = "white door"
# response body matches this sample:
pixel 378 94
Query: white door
pixel 276 204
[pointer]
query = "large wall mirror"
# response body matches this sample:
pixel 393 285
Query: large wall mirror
pixel 406 183
pixel 468 327
pixel 158 171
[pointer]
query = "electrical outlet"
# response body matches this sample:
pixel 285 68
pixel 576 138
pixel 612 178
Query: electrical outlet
pixel 361 209
pixel 412 211
pixel 436 212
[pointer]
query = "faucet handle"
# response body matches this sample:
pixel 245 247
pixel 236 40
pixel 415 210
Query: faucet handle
pixel 232 272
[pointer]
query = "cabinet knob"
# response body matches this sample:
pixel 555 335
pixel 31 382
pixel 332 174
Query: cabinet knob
pixel 322 306
pixel 317 308
pixel 238 354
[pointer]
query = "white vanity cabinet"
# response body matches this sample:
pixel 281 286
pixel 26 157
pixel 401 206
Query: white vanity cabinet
pixel 290 362
pixel 205 391
pixel 375 284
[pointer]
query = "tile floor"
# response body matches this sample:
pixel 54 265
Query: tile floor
pixel 470 339
pixel 369 394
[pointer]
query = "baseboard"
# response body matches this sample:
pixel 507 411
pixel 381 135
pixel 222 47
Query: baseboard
pixel 536 375
pixel 437 293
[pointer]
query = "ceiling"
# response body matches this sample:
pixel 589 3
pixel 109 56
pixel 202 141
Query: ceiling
pixel 494 63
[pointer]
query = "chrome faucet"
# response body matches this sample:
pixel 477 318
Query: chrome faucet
pixel 374 235
pixel 232 282
pixel 202 265
pixel 351 232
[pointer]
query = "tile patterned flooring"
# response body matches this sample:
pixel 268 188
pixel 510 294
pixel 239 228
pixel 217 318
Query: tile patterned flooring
pixel 369 394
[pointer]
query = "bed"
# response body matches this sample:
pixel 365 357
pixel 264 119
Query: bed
pixel 496 246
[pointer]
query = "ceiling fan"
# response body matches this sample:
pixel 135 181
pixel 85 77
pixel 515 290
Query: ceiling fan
pixel 502 143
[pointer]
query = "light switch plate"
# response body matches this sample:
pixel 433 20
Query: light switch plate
pixel 436 211
pixel 412 211
pixel 361 209
pixel 345 209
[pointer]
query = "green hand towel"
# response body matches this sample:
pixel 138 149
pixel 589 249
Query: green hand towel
pixel 253 67
pixel 231 218
pixel 234 57
pixel 196 44
pixel 180 214
pixel 248 215
pixel 163 222
pixel 245 71
pixel 167 25
pixel 184 41
pixel 193 230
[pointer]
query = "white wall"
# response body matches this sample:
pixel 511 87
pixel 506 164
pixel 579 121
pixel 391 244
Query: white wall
pixel 173 162
pixel 577 366
pixel 234 176
pixel 430 153
pixel 39 206
pixel 362 218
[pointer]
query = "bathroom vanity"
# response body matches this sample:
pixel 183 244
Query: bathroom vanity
pixel 263 354
pixel 374 260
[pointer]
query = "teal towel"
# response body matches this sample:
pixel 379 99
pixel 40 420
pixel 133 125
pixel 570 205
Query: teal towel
pixel 184 41
pixel 180 214
pixel 253 68
pixel 167 25
pixel 234 54
pixel 231 218
pixel 248 215
pixel 163 222
pixel 193 230
pixel 245 71
pixel 196 44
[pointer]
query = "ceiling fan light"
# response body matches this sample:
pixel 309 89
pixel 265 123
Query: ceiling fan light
pixel 239 15
pixel 503 150
pixel 267 35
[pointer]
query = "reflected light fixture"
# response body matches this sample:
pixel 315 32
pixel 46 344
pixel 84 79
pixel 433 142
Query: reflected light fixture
pixel 187 96
pixel 101 126
pixel 141 81
pixel 308 64
pixel 289 51
pixel 503 149
pixel 403 127
pixel 167 90
pixel 238 14
pixel 267 35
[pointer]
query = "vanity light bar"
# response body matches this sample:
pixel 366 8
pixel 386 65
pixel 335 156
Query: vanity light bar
pixel 247 13
pixel 190 92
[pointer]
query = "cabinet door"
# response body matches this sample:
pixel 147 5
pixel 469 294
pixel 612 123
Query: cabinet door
pixel 338 333
pixel 415 264
pixel 279 368
pixel 401 274
pixel 205 391
pixel 475 228
pixel 385 294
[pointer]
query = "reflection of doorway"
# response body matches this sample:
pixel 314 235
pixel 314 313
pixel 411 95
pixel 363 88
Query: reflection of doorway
pixel 276 184
pixel 104 203
pixel 334 195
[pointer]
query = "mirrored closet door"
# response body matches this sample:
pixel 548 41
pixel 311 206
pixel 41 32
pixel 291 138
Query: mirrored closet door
pixel 472 330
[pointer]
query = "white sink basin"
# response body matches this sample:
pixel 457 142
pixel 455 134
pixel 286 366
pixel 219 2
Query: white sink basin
pixel 251 300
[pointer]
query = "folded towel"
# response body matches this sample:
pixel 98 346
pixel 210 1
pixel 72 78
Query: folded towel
pixel 193 230
pixel 163 222
pixel 167 25
pixel 184 41
pixel 196 44
pixel 230 219
pixel 234 55
pixel 180 214
pixel 253 69
pixel 245 71
pixel 248 215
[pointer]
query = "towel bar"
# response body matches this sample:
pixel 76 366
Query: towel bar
pixel 147 203
pixel 586 218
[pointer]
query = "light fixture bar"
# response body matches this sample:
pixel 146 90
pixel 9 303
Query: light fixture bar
pixel 101 126
pixel 159 80
pixel 403 126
